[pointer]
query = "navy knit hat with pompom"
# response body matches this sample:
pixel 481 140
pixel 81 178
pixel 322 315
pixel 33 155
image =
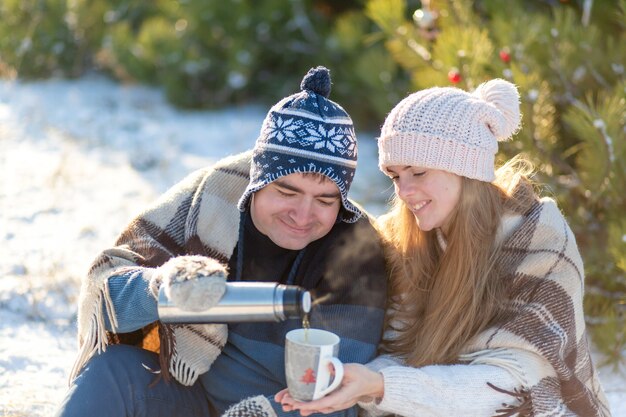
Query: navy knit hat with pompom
pixel 306 132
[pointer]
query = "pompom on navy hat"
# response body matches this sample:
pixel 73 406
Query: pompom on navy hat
pixel 306 132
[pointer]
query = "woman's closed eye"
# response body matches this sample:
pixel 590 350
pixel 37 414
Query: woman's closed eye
pixel 395 178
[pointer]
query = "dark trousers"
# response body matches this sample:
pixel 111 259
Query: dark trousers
pixel 116 384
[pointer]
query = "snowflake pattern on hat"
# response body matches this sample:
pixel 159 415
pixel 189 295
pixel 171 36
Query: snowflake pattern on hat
pixel 282 128
pixel 337 139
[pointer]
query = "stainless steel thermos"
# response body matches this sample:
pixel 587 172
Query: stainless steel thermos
pixel 244 302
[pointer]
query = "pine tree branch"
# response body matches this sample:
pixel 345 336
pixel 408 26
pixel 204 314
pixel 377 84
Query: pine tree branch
pixel 556 160
pixel 598 77
pixel 606 140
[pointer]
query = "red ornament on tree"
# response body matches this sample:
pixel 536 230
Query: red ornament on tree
pixel 454 76
pixel 505 55
pixel 308 377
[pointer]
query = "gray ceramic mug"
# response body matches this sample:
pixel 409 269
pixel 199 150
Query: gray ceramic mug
pixel 307 363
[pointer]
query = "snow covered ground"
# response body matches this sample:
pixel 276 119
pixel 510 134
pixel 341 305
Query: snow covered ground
pixel 78 159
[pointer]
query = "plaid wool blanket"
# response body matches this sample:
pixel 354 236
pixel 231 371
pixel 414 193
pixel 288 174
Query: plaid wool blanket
pixel 545 316
pixel 197 217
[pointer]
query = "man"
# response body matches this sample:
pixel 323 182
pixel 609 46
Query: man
pixel 280 214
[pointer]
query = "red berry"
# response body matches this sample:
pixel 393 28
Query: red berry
pixel 505 55
pixel 454 76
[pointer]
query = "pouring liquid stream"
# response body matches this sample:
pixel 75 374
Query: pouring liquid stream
pixel 306 325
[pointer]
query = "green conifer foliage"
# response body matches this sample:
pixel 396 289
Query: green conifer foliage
pixel 205 53
pixel 37 38
pixel 208 53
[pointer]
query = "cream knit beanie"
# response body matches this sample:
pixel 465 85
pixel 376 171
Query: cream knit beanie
pixel 450 129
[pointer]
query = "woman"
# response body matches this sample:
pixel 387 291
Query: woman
pixel 486 314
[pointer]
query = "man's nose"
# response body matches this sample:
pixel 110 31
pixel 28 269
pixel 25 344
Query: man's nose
pixel 302 211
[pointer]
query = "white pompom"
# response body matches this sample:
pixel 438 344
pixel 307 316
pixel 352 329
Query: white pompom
pixel 504 96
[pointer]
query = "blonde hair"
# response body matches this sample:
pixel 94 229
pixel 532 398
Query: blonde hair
pixel 441 299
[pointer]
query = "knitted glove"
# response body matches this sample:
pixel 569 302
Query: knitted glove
pixel 193 283
pixel 258 406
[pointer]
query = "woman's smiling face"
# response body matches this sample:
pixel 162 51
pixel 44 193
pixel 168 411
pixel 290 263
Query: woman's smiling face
pixel 430 194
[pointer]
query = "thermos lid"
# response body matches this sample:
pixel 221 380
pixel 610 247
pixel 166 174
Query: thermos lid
pixel 306 302
pixel 296 301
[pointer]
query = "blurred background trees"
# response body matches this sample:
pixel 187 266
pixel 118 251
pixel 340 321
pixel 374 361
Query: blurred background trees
pixel 205 53
pixel 566 56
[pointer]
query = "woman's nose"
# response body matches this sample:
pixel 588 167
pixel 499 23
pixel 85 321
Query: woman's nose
pixel 403 189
